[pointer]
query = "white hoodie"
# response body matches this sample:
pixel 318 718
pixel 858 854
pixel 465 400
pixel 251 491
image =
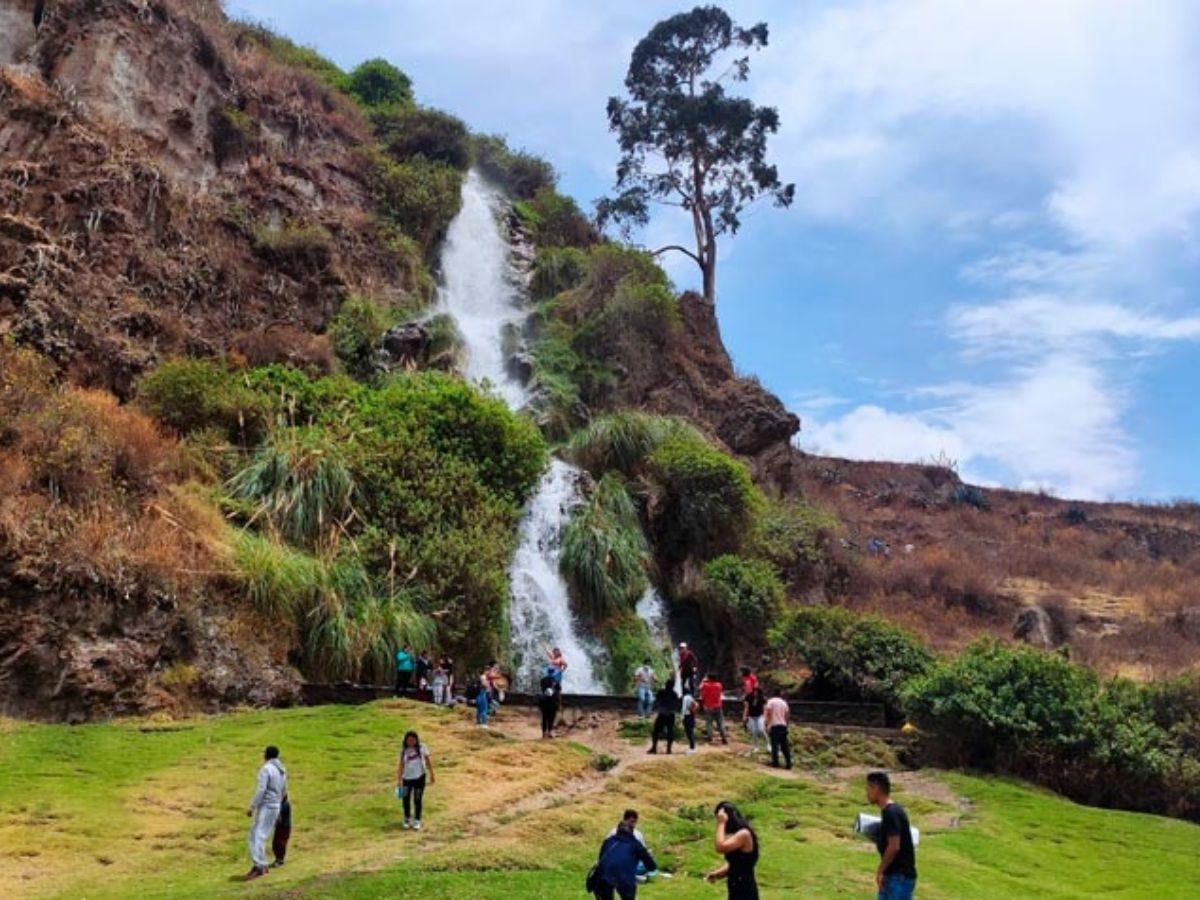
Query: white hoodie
pixel 272 785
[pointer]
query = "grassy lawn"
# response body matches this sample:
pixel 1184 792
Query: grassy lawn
pixel 154 809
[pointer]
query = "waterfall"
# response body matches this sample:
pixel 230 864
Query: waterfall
pixel 480 289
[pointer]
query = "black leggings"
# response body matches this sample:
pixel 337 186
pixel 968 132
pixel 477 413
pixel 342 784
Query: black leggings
pixel 403 680
pixel 689 728
pixel 414 793
pixel 549 712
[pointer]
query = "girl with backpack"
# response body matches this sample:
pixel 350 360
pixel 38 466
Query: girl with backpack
pixel 415 764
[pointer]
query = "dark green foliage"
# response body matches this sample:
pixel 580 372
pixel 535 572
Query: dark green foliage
pixel 1035 714
pixel 627 641
pixel 557 269
pixel 445 343
pixel 521 173
pixel 604 553
pixel 554 220
pixel 623 441
pixel 377 84
pixel 744 592
pixel 356 333
pixel 406 132
pixel 707 503
pixel 792 536
pixel 194 394
pixel 418 196
pixel 713 145
pixel 852 657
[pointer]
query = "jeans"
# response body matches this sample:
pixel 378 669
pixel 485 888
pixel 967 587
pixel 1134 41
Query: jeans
pixel 645 700
pixel 441 693
pixel 260 829
pixel 897 887
pixel 689 728
pixel 481 709
pixel 780 743
pixel 718 716
pixel 757 731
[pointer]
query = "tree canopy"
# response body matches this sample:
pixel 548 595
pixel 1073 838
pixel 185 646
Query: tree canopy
pixel 684 140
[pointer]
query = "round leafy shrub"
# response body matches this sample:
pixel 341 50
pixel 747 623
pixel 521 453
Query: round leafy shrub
pixel 419 196
pixel 747 592
pixel 377 83
pixel 193 394
pixel 406 132
pixel 851 657
pixel 357 335
pixel 708 500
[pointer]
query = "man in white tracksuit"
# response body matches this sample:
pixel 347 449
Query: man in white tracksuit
pixel 264 809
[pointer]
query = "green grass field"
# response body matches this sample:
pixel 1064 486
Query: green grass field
pixel 156 809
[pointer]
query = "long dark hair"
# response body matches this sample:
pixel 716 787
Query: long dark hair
pixel 737 821
pixel 416 741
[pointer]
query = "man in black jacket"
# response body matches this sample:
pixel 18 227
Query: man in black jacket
pixel 616 869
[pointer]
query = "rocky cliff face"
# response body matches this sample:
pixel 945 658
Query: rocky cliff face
pixel 166 189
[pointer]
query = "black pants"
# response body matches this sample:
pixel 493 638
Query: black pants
pixel 689 728
pixel 403 681
pixel 779 742
pixel 607 892
pixel 549 713
pixel 664 727
pixel 283 831
pixel 414 794
pixel 687 681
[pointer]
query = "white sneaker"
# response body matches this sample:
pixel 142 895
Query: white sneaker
pixel 407 823
pixel 691 751
pixel 416 825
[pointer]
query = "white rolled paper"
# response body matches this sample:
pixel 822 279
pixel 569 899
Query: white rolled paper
pixel 868 826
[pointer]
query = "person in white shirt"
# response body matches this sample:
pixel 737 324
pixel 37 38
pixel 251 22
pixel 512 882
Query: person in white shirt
pixel 688 709
pixel 415 764
pixel 264 809
pixel 643 685
pixel 775 717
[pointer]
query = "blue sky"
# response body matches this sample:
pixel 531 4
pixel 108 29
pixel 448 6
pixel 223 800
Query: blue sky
pixel 993 253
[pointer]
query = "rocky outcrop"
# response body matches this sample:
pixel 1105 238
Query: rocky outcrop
pixel 407 344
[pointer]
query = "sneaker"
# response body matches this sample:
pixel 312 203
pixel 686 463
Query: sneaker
pixel 416 825
pixel 691 751
pixel 257 872
pixel 277 864
pixel 651 750
pixel 407 823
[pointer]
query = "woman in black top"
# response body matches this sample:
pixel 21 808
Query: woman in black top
pixel 738 843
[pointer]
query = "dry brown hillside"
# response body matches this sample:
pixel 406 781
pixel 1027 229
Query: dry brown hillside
pixel 166 187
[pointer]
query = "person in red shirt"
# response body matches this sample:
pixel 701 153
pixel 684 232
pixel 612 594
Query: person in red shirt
pixel 711 698
pixel 749 682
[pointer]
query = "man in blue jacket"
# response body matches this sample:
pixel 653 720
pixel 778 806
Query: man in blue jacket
pixel 616 870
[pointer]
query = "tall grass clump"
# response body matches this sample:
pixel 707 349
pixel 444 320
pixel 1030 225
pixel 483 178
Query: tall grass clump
pixel 299 484
pixel 623 441
pixel 604 552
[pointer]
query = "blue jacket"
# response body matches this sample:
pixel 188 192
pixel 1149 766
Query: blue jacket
pixel 619 858
pixel 404 661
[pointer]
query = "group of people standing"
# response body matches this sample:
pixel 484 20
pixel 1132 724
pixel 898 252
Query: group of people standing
pixel 419 671
pixel 765 719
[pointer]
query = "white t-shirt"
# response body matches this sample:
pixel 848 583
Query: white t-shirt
pixel 644 676
pixel 414 761
pixel 689 705
pixel 776 712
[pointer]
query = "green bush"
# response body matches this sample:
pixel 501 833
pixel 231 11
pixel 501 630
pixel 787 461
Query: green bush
pixel 623 441
pixel 555 220
pixel 792 536
pixel 377 83
pixel 419 196
pixel 851 657
pixel 434 135
pixel 744 592
pixel 1035 714
pixel 604 553
pixel 523 174
pixel 557 269
pixel 708 501
pixel 195 394
pixel 627 642
pixel 356 333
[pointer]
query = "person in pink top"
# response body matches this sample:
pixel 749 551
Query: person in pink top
pixel 775 717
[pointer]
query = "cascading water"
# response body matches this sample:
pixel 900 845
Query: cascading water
pixel 481 291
